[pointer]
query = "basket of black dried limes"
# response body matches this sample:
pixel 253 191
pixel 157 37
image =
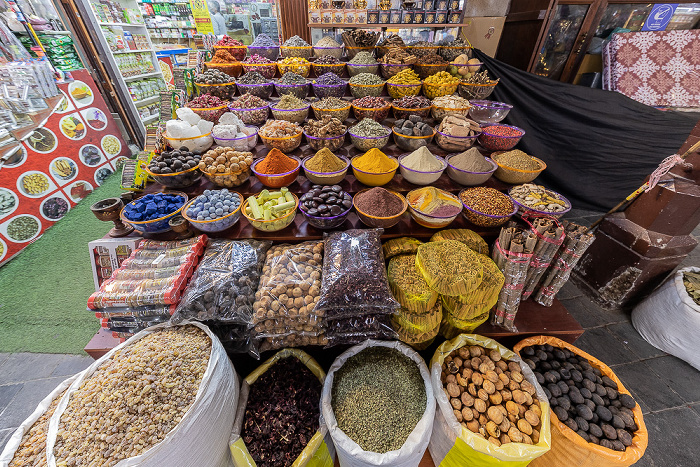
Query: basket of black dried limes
pixel 595 420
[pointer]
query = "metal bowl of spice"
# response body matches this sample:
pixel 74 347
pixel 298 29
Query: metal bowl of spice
pixel 276 169
pixel 487 207
pixel 470 168
pixel 500 137
pixel 517 167
pixel 432 207
pixel 378 207
pixel 321 169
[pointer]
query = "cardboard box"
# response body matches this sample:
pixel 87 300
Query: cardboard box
pixel 406 17
pixel 429 4
pixel 454 16
pixel 441 17
pixel 384 17
pixel 372 16
pixel 418 17
pixel 327 16
pixel 484 33
pixel 107 254
pixel 429 17
pixel 315 17
pixel 360 16
pixel 349 17
pixel 395 17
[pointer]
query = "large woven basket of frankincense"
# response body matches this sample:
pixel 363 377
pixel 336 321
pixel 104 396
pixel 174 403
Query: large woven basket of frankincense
pixel 491 410
pixel 595 420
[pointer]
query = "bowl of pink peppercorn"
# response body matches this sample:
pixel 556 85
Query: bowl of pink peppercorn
pixel 499 137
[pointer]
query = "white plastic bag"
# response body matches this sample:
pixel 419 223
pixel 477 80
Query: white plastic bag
pixel 15 440
pixel 350 454
pixel 669 319
pixel 201 437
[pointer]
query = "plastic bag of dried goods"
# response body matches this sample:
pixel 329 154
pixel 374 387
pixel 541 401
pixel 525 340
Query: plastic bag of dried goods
pixel 318 451
pixel 223 286
pixel 180 371
pixel 669 319
pixel 350 453
pixel 568 448
pixel 453 444
pixel 27 445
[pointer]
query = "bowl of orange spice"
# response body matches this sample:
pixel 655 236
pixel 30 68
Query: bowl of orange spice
pixel 276 169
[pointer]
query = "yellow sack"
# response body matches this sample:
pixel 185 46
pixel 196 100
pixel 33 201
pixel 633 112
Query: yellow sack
pixel 452 327
pixel 408 285
pixel 319 451
pixel 568 448
pixel 470 238
pixel 419 323
pixel 453 445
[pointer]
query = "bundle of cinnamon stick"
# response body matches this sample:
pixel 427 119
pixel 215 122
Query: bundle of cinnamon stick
pixel 550 235
pixel 576 241
pixel 512 254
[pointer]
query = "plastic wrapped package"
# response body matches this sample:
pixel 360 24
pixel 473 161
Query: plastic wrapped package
pixel 136 312
pixel 419 323
pixel 400 246
pixel 357 329
pixel 223 287
pixel 285 303
pixel 449 267
pixel 235 338
pixel 481 299
pixel 291 340
pixel 136 283
pixel 132 324
pixel 408 285
pixel 470 238
pixel 354 276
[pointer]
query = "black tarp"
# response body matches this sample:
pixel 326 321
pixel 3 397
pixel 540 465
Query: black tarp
pixel 599 146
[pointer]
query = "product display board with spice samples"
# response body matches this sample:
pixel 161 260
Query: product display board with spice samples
pixel 371 208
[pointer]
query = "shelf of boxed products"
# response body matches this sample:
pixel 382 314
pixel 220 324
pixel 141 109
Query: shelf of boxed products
pixel 147 100
pixel 144 75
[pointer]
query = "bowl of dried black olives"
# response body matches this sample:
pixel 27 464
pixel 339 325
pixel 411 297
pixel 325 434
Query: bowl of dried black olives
pixel 178 168
pixel 325 207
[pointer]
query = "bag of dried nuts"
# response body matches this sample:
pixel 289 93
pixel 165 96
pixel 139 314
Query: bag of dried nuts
pixel 284 312
pixel 27 445
pixel 489 399
pixel 167 396
pixel 278 420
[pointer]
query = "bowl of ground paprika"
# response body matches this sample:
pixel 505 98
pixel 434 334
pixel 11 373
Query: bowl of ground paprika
pixel 276 169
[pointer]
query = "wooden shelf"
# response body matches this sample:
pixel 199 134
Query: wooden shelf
pixel 391 26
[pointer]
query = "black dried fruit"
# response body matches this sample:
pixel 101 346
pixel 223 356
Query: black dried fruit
pixel 603 413
pixel 593 439
pixel 576 396
pixel 612 393
pixel 597 400
pixel 571 424
pixel 609 383
pixel 530 363
pixel 559 354
pixel 627 420
pixel 554 390
pixel 594 429
pixel 618 422
pixel 590 404
pixel 564 402
pixel 544 365
pixel 584 364
pixel 539 377
pixel 618 445
pixel 541 354
pixel 595 418
pixel 561 414
pixel 624 437
pixel 548 347
pixel 584 412
pixel 565 373
pixel 596 371
pixel 628 401
pixel 548 394
pixel 585 393
pixel 588 384
pixel 616 403
pixel 529 351
pixel 564 387
pixel 555 364
pixel 613 410
pixel 588 374
pixel 576 376
pixel 549 377
pixel 606 443
pixel 609 431
pixel 582 434
pixel 600 390
pixel 582 423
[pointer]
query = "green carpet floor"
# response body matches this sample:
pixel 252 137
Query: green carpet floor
pixel 44 289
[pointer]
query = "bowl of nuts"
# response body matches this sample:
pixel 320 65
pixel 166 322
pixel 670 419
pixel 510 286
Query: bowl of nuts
pixel 327 132
pixel 174 169
pixel 226 167
pixel 487 207
pixel 198 211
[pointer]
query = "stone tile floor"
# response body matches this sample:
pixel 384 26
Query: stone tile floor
pixel 667 388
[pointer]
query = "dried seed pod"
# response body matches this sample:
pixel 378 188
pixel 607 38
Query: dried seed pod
pixel 504 439
pixel 507 395
pixel 472 389
pixel 450 379
pixel 514 367
pixel 483 420
pixel 492 429
pixel 476 361
pixel 473 426
pixel 463 353
pixel 495 355
pixel 535 436
pixel 504 378
pixel 489 387
pixel 528 399
pixel 456 403
pixel 467 373
pixel 495 398
pixel 458 415
pixel 535 408
pixel 475 350
pixel 480 405
pixel 467 399
pixel 527 439
pixel 532 418
pixel 499 385
pixel 512 408
pixel 515 435
pixel 519 396
pixel 521 411
pixel 458 361
pixel 505 425
pixel 483 368
pixel 527 386
pixel 491 376
pixel 524 426
pixel 453 389
pixel 513 386
pixel 463 383
pixel 495 415
pixel 477 379
pixel 452 368
pixel 516 376
pixel 512 418
pixel 494 441
pixel 467 414
pixel 502 364
pixel 483 395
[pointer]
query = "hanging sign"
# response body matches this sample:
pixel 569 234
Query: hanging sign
pixel 200 12
pixel 659 17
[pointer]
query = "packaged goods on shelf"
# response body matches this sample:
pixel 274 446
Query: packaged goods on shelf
pixel 108 254
pixel 120 290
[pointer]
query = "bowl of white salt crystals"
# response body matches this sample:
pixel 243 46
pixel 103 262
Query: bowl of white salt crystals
pixel 189 131
pixel 233 133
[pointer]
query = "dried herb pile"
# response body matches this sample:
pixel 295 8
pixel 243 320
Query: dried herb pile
pixel 282 413
pixel 378 398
